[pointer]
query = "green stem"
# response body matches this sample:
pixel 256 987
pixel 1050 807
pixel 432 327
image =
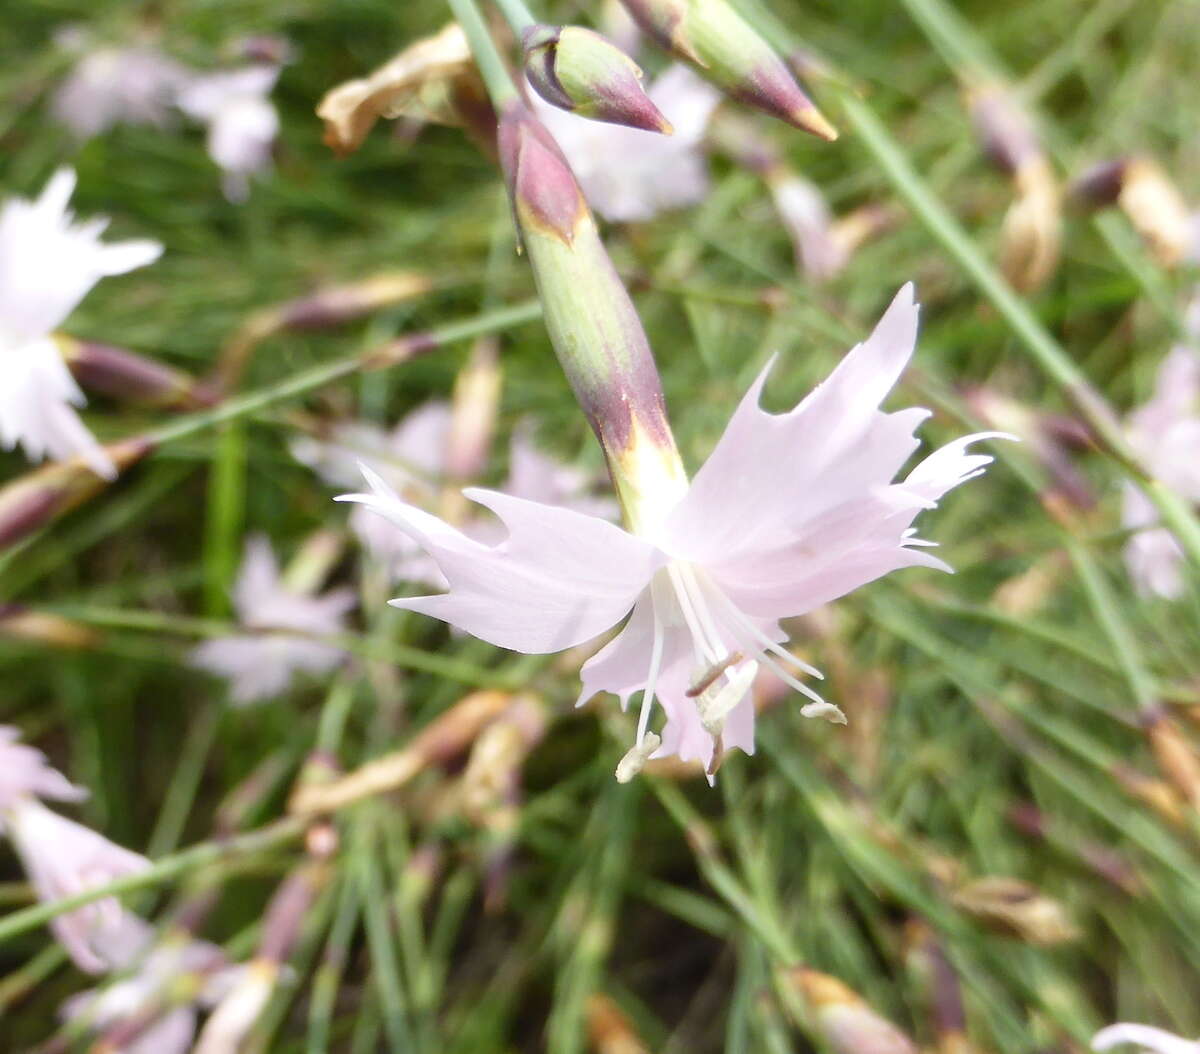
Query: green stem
pixel 399 654
pixel 487 57
pixel 517 15
pixel 318 376
pixel 185 862
pixel 1045 351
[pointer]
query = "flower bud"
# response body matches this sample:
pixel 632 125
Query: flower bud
pixel 1017 909
pixel 1177 759
pixel 35 500
pixel 610 1031
pixel 1003 128
pixel 1160 796
pixel 41 627
pixel 1148 197
pixel 731 54
pixel 578 70
pixel 121 374
pixel 591 320
pixel 847 1023
pixel 1031 234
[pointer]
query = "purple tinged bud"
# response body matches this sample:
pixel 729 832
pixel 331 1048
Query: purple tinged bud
pixel 121 374
pixel 578 70
pixel 1148 197
pixel 1005 131
pixel 591 320
pixel 36 499
pixel 730 53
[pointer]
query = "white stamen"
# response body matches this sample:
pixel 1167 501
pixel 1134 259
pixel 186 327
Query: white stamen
pixel 825 710
pixel 707 653
pixel 744 623
pixel 656 650
pixel 717 701
pixel 636 757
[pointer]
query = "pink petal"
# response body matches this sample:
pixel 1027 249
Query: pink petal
pixel 771 472
pixel 558 579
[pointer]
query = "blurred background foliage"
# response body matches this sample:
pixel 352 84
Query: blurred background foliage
pixel 990 735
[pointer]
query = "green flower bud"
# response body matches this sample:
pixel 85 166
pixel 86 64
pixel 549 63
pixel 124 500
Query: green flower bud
pixel 595 330
pixel 580 71
pixel 731 54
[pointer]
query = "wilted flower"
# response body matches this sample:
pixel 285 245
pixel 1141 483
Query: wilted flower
pixel 154 990
pixel 847 1023
pixel 136 85
pixel 261 664
pixel 63 858
pixel 242 122
pixel 1151 1040
pixel 1147 195
pixel 433 79
pixel 628 174
pixel 48 263
pixel 789 512
pixel 1166 433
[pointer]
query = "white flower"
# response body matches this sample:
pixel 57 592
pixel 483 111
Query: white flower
pixel 1151 1040
pixel 48 264
pixel 63 858
pixel 629 175
pixel 173 1031
pixel 262 664
pixel 1166 433
pixel 242 122
pixel 25 773
pixel 136 85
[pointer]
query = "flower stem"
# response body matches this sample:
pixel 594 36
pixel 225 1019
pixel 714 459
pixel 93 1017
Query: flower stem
pixel 517 15
pixel 487 57
pixel 327 372
pixel 1038 343
pixel 185 862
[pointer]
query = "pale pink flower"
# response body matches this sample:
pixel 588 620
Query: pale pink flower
pixel 1166 433
pixel 412 461
pixel 48 264
pixel 789 512
pixel 63 858
pixel 809 223
pixel 262 664
pixel 1150 1040
pixel 242 121
pixel 627 174
pixel 411 458
pixel 25 773
pixel 135 85
pixel 167 962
